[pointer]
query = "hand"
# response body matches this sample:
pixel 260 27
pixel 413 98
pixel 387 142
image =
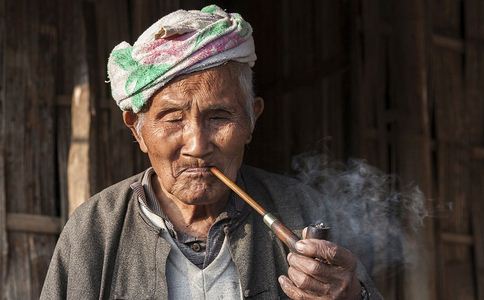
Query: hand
pixel 321 270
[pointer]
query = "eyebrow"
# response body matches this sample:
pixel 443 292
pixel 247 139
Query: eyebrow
pixel 170 105
pixel 218 107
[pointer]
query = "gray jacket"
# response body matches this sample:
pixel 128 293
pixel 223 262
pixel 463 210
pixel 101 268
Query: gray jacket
pixel 109 249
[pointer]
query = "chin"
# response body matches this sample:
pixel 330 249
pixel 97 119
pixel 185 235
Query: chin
pixel 195 193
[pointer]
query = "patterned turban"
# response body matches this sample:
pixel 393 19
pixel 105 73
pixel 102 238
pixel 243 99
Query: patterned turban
pixel 179 43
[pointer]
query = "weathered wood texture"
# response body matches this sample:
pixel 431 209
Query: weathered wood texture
pixel 373 129
pixel 459 113
pixel 304 94
pixel 3 196
pixel 30 49
pixel 410 146
pixel 474 76
pixel 33 223
pixel 417 101
pixel 41 64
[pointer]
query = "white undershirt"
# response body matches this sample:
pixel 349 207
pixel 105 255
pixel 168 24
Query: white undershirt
pixel 219 280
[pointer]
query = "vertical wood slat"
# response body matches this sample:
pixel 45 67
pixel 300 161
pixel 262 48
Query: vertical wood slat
pixel 409 99
pixel 30 46
pixel 369 108
pixel 9 68
pixel 356 86
pixel 478 225
pixel 3 221
pixel 474 68
pixel 454 130
pixel 372 99
pixel 113 20
pixel 63 142
pixel 78 164
pixel 3 200
pixel 77 85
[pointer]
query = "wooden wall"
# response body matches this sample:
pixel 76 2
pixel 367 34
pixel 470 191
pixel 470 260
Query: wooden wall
pixel 395 82
pixel 420 112
pixel 457 95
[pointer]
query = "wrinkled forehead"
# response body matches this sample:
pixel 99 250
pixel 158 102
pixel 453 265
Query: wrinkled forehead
pixel 219 84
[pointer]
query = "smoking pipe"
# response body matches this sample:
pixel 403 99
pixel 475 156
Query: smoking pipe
pixel 317 231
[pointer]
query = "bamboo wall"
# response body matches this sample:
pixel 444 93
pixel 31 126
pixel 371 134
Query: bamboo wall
pixel 395 82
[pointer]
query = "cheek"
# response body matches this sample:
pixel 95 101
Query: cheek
pixel 162 142
pixel 231 139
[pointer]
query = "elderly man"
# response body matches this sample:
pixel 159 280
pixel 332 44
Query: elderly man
pixel 175 231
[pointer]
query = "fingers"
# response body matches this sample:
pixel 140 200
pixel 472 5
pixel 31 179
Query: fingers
pixel 310 266
pixel 293 292
pixel 327 252
pixel 306 282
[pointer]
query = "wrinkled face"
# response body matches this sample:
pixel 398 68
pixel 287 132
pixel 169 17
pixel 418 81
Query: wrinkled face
pixel 197 121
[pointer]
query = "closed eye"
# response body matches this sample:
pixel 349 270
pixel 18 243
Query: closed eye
pixel 219 118
pixel 220 114
pixel 174 120
pixel 171 116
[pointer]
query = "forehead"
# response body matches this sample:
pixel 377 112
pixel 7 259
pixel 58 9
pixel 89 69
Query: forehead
pixel 215 85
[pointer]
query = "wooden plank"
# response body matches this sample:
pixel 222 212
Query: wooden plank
pixel 3 198
pixel 356 138
pixel 458 272
pixel 477 190
pixel 373 91
pixel 3 217
pixel 31 51
pixel 62 147
pixel 78 179
pixel 456 238
pixel 448 42
pixel 455 118
pixel 410 158
pixel 75 183
pixel 367 110
pixel 15 52
pixel 474 31
pixel 33 223
pixel 449 128
pixel 112 27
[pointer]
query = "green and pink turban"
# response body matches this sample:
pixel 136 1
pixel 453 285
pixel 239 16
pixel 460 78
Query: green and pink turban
pixel 179 43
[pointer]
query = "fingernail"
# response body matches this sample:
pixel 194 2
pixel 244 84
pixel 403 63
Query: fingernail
pixel 280 279
pixel 289 256
pixel 300 247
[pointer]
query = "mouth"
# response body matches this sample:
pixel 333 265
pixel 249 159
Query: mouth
pixel 197 171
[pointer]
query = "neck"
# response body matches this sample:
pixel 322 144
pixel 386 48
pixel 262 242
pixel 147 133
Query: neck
pixel 194 220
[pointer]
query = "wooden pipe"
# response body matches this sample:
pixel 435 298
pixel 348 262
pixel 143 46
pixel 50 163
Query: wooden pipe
pixel 314 231
pixel 279 229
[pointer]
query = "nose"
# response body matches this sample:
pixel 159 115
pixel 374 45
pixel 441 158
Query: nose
pixel 197 141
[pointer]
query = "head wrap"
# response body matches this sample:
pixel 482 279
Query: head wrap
pixel 179 43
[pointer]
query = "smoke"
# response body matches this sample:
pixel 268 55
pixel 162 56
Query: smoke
pixel 366 212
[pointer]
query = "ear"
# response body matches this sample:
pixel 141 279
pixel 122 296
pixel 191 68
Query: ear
pixel 258 108
pixel 130 119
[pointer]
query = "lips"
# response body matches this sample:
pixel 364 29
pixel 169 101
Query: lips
pixel 194 170
pixel 198 171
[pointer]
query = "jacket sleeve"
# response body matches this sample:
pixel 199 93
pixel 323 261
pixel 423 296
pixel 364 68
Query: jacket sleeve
pixel 55 284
